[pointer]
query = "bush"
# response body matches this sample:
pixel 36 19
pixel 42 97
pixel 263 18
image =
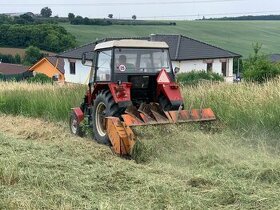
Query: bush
pixel 32 55
pixel 194 77
pixel 10 59
pixel 260 70
pixel 40 78
pixel 257 68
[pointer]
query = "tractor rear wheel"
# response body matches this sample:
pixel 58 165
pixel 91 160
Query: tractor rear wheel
pixel 103 106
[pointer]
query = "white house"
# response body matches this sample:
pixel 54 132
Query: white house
pixel 186 53
pixel 75 71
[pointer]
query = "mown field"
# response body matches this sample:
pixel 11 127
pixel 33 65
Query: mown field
pixel 230 164
pixel 236 36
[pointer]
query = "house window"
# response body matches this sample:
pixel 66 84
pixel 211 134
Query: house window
pixel 209 67
pixel 224 69
pixel 72 68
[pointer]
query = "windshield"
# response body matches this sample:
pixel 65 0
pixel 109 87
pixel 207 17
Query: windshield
pixel 141 60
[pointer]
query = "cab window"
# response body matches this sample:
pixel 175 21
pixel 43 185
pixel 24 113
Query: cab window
pixel 104 66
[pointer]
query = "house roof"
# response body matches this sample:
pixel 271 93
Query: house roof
pixel 185 48
pixel 60 65
pixel 10 69
pixel 52 60
pixel 275 58
pixel 77 53
pixel 180 47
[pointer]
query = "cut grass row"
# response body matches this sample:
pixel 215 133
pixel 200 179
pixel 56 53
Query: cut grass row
pixel 46 168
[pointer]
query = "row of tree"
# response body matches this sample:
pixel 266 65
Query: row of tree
pixel 79 20
pixel 48 37
pixel 247 17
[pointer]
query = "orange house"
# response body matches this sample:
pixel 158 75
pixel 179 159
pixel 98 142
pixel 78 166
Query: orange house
pixel 50 66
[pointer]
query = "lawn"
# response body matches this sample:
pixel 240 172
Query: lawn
pixel 236 36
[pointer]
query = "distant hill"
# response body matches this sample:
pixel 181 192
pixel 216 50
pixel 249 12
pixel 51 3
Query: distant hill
pixel 248 17
pixel 236 36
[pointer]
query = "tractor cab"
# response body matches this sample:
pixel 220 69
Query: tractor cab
pixel 133 61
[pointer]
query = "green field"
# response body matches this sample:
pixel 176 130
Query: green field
pixel 232 163
pixel 236 36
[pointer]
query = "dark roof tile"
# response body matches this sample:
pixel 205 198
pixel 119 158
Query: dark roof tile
pixel 180 47
pixel 9 69
pixel 275 58
pixel 60 65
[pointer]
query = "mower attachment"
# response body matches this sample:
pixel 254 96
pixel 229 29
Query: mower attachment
pixel 122 136
pixel 151 114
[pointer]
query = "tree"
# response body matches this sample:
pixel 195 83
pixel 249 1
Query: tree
pixel 32 55
pixel 77 20
pixel 134 17
pixel 86 21
pixel 110 16
pixel 46 12
pixel 27 17
pixel 71 16
pixel 258 68
pixel 17 58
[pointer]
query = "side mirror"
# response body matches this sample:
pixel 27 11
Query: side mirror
pixel 84 58
pixel 176 70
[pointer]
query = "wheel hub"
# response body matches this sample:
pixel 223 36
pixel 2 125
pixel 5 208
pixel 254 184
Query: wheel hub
pixel 100 119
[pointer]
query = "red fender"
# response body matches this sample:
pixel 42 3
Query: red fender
pixel 170 89
pixel 79 114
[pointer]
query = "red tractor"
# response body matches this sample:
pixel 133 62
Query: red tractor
pixel 133 84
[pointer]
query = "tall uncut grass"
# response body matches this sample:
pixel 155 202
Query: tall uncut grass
pixel 46 101
pixel 244 106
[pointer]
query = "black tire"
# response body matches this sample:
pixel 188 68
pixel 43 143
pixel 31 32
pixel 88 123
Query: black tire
pixel 103 106
pixel 75 126
pixel 164 103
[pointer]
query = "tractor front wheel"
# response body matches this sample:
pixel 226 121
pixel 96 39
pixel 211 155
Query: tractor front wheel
pixel 75 126
pixel 103 106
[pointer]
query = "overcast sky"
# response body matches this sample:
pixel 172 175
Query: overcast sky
pixel 144 9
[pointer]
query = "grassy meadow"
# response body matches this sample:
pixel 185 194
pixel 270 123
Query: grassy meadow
pixel 232 163
pixel 236 36
pixel 50 102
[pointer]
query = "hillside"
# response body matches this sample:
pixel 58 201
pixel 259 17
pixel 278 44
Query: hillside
pixel 20 51
pixel 236 36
